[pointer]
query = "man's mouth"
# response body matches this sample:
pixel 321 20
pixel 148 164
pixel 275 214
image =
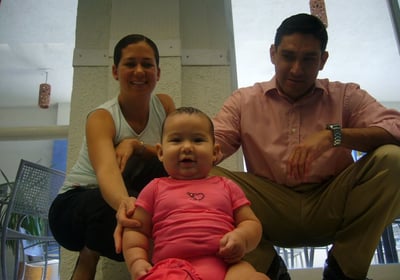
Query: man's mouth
pixel 296 81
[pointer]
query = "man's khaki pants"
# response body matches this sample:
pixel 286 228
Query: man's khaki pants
pixel 349 211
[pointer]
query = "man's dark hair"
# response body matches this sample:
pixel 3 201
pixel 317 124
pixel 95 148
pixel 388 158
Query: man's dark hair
pixel 133 39
pixel 304 24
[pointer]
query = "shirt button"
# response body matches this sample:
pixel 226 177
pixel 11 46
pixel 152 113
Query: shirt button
pixel 293 130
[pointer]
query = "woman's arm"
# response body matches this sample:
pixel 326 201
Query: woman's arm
pixel 100 133
pixel 167 102
pixel 149 151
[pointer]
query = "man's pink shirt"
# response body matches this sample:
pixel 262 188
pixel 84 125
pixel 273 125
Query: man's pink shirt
pixel 268 125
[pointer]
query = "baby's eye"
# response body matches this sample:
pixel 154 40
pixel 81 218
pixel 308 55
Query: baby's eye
pixel 199 140
pixel 175 140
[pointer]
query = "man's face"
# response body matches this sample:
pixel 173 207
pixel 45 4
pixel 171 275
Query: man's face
pixel 297 60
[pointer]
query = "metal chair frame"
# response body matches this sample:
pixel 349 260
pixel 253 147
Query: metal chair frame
pixel 32 193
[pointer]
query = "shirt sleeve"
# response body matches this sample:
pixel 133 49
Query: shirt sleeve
pixel 146 197
pixel 238 197
pixel 227 125
pixel 363 110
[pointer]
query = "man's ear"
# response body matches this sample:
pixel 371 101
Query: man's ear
pixel 272 53
pixel 324 58
pixel 115 72
pixel 159 151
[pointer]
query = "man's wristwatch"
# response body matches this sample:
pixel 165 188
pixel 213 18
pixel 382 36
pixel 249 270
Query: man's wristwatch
pixel 336 133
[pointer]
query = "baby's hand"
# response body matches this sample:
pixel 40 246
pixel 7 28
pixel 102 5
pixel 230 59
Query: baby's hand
pixel 232 247
pixel 139 268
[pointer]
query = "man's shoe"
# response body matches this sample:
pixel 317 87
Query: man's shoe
pixel 278 270
pixel 332 270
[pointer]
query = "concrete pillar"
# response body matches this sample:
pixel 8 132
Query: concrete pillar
pixel 197 68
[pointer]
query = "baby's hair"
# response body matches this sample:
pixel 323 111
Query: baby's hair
pixel 190 111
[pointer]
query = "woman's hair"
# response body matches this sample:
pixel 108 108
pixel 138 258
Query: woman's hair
pixel 304 24
pixel 191 111
pixel 133 39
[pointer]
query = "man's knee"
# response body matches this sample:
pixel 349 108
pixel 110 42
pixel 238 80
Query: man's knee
pixel 388 155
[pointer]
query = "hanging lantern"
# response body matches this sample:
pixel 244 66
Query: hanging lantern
pixel 44 94
pixel 317 8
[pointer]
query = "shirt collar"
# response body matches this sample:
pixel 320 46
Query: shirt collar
pixel 271 88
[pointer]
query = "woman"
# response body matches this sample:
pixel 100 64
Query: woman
pixel 82 218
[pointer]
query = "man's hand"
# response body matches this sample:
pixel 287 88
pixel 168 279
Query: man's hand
pixel 124 219
pixel 302 156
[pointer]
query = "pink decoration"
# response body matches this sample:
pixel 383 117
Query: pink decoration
pixel 317 8
pixel 44 95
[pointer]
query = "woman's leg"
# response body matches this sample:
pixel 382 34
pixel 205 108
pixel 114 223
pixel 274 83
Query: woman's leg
pixel 85 268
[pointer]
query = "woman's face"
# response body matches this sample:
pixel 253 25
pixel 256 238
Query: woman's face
pixel 137 70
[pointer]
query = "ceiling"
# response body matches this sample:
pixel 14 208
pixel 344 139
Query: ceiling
pixel 38 36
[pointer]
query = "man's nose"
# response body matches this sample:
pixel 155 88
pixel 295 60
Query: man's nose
pixel 296 68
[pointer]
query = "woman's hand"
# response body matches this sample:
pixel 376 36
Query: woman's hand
pixel 124 219
pixel 124 150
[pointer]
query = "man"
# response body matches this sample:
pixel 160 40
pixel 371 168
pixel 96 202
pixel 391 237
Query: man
pixel 297 133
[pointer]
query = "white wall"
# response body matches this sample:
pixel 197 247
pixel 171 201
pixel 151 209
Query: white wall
pixel 362 43
pixel 17 148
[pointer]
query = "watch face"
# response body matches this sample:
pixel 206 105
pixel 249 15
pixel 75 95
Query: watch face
pixel 333 126
pixel 336 133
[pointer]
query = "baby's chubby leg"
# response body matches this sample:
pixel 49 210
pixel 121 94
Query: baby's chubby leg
pixel 244 270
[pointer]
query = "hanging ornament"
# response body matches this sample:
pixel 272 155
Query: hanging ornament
pixel 317 8
pixel 44 94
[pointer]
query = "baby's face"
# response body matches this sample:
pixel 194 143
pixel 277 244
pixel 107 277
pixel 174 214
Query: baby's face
pixel 187 149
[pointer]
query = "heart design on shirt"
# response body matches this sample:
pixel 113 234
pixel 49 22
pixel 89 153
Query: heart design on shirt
pixel 196 196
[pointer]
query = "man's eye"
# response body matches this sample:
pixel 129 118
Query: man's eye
pixel 309 58
pixel 288 57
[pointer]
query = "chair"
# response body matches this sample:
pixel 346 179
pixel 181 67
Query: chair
pixel 5 189
pixel 387 251
pixel 305 255
pixel 293 257
pixel 34 189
